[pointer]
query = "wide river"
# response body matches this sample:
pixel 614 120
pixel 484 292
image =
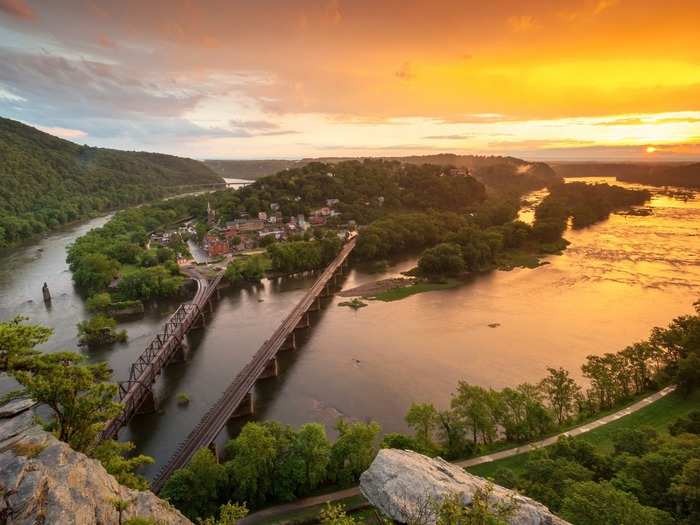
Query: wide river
pixel 616 281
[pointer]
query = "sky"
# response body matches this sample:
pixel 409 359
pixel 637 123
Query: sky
pixel 538 79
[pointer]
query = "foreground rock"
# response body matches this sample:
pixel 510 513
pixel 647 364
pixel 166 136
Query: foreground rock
pixel 44 481
pixel 402 484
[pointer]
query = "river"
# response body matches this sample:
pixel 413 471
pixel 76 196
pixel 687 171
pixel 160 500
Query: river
pixel 616 281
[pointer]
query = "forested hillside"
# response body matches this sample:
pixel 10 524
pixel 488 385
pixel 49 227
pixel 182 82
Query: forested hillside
pixel 499 173
pixel 688 175
pixel 46 181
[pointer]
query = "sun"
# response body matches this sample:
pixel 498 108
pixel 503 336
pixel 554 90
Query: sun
pixel 651 149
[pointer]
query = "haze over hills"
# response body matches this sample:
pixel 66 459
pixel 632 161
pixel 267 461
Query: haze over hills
pixel 46 181
pixel 495 171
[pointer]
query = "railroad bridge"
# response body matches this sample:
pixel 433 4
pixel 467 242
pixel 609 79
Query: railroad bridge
pixel 170 345
pixel 237 400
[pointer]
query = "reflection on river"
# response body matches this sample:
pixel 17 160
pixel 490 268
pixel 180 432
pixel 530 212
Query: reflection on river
pixel 615 282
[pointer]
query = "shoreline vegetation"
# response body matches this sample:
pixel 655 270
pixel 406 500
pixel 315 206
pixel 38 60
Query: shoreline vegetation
pixel 479 420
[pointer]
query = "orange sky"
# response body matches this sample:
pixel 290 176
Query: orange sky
pixel 545 79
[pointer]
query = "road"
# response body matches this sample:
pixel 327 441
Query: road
pixel 305 503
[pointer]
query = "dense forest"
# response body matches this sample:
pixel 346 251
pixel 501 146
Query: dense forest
pixel 584 203
pixel 365 190
pixel 688 175
pixel 494 171
pixel 46 181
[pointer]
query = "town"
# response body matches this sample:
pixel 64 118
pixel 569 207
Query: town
pixel 218 240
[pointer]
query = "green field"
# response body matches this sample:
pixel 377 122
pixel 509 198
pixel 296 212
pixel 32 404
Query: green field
pixel 658 415
pixel 402 292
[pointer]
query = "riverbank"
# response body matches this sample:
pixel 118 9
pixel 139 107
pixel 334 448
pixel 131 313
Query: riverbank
pixel 660 407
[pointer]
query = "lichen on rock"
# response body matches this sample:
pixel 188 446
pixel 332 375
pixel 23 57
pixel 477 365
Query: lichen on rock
pixel 402 483
pixel 44 481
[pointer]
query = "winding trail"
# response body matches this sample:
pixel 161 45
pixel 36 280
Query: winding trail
pixel 305 503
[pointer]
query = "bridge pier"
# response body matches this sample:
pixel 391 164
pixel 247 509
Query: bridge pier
pixel 316 305
pixel 271 370
pixel 182 354
pixel 304 322
pixel 246 408
pixel 290 343
pixel 212 448
pixel 149 403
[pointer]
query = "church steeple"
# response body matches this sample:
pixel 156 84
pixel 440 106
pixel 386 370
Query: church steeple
pixel 211 215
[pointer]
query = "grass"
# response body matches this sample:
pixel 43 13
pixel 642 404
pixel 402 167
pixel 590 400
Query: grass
pixel 401 292
pixel 518 259
pixel 355 304
pixel 659 415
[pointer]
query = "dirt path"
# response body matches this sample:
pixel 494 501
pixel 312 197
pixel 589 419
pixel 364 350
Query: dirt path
pixel 305 503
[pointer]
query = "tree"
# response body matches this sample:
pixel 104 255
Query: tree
pixel 452 435
pixel 635 441
pixel 442 260
pixel 120 505
pixel 475 406
pixel 336 515
pixel 685 490
pixel 78 395
pixel 17 342
pixel 484 509
pixel 590 503
pixel 688 375
pixel 353 451
pixel 422 418
pixel 312 447
pixel 561 391
pixel 98 302
pixel 253 456
pixel 546 479
pixel 100 330
pixel 229 514
pixel 521 413
pixel 114 458
pixel 689 424
pixel 94 272
pixel 195 489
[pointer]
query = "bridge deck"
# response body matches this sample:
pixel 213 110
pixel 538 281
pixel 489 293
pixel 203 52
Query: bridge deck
pixel 215 419
pixel 146 369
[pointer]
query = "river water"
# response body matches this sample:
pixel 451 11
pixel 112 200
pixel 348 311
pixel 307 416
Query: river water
pixel 616 281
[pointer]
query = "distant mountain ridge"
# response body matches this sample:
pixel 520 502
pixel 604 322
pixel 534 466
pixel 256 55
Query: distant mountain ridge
pixel 46 181
pixel 495 171
pixel 687 175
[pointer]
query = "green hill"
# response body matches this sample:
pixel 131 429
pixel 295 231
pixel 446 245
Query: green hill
pixel 46 181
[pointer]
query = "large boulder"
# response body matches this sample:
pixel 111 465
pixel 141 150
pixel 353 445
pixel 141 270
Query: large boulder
pixel 44 481
pixel 405 486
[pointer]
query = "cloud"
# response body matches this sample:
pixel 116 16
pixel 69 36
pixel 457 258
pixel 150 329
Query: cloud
pixel 254 125
pixel 405 72
pixel 457 136
pixel 621 122
pixel 541 143
pixel 523 23
pixel 65 133
pixel 476 118
pixel 18 9
pixel 604 5
pixel 636 121
pixel 259 128
pixel 106 42
pixel 89 86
